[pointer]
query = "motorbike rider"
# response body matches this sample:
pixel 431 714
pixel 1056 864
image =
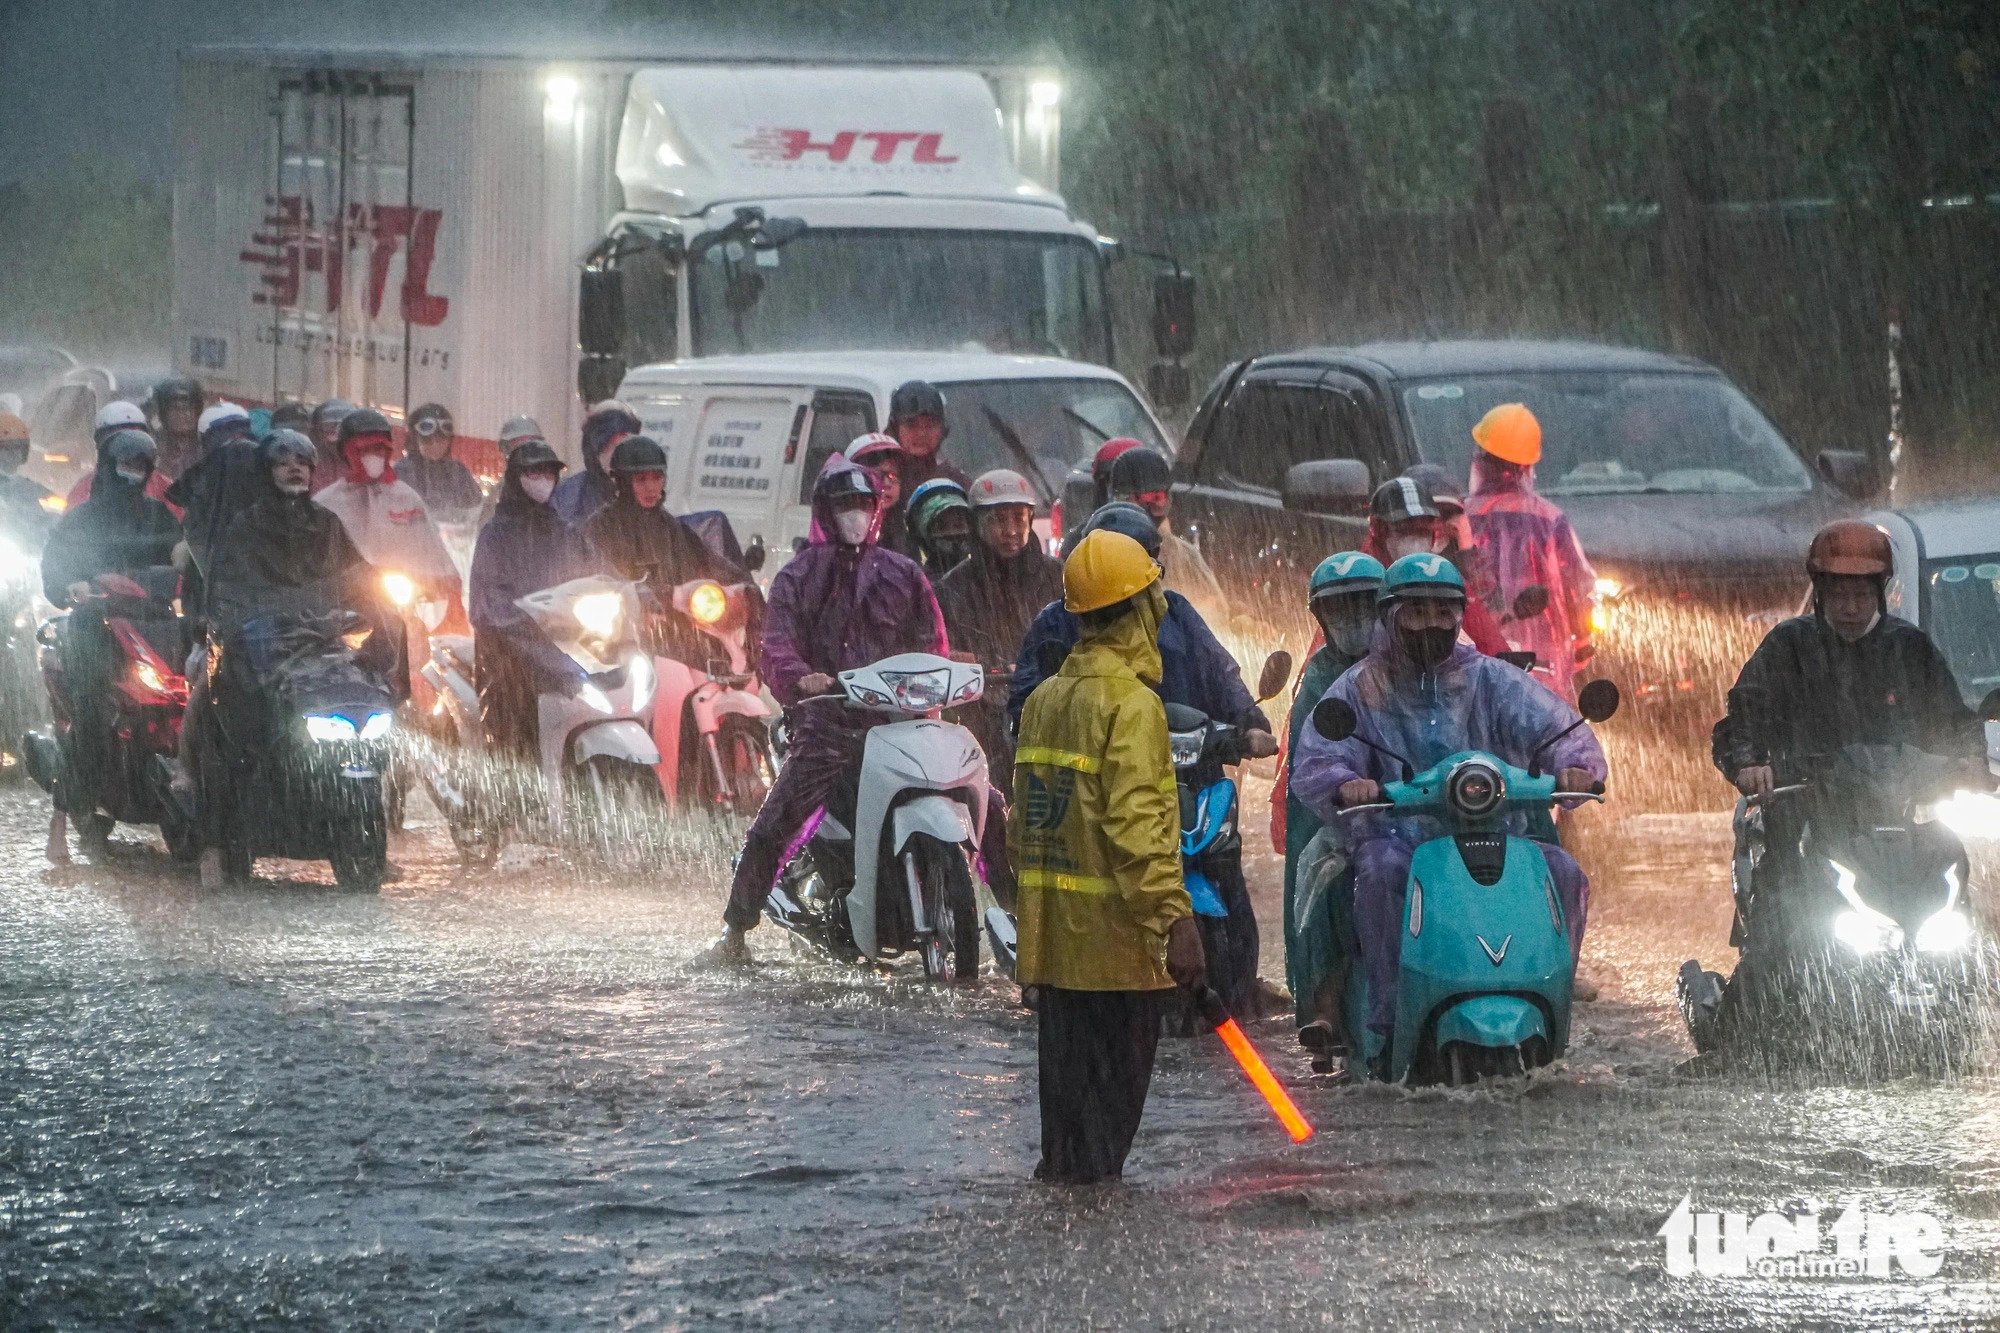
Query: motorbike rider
pixel 445 484
pixel 1106 928
pixel 1341 596
pixel 840 603
pixel 1847 674
pixel 527 547
pixel 26 506
pixel 1405 518
pixel 1422 695
pixel 517 431
pixel 917 422
pixel 990 599
pixel 293 416
pixel 113 417
pixel 176 413
pixel 1144 477
pixel 384 515
pixel 582 495
pixel 1527 542
pixel 638 539
pixel 326 419
pixel 118 530
pixel 883 455
pixel 940 521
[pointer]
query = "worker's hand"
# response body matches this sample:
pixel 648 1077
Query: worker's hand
pixel 1756 780
pixel 1259 744
pixel 1575 779
pixel 1361 791
pixel 816 683
pixel 1186 963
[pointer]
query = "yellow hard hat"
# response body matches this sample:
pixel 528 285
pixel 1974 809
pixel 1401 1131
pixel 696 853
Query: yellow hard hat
pixel 12 427
pixel 1104 569
pixel 1511 434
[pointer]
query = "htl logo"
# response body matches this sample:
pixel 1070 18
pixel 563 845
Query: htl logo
pixel 777 145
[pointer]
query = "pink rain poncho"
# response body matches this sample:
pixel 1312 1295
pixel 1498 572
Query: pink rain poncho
pixel 1527 541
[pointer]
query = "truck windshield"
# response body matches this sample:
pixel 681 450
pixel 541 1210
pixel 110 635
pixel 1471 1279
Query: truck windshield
pixel 1058 423
pixel 837 289
pixel 1608 433
pixel 1962 614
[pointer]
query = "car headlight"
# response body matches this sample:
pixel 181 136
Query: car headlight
pixel 1864 929
pixel 599 612
pixel 377 726
pixel 1947 932
pixel 919 691
pixel 640 672
pixel 400 589
pixel 708 603
pixel 1185 746
pixel 329 727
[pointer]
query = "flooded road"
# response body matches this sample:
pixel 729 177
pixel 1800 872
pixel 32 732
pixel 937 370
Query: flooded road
pixel 506 1100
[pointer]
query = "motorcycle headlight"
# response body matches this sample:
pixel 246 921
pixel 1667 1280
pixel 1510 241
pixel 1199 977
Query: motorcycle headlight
pixel 1863 929
pixel 329 727
pixel 708 603
pixel 640 672
pixel 599 613
pixel 1475 789
pixel 1185 746
pixel 400 589
pixel 919 691
pixel 1947 932
pixel 377 726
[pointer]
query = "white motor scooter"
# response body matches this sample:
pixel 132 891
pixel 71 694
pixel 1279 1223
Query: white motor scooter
pixel 901 880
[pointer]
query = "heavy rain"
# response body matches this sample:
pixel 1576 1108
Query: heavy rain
pixel 498 498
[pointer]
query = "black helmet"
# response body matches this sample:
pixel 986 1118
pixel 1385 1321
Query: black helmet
pixel 179 389
pixel 1122 516
pixel 126 445
pixel 291 416
pixel 285 444
pixel 1400 499
pixel 532 455
pixel 918 398
pixel 362 421
pixel 1140 472
pixel 638 453
pixel 332 411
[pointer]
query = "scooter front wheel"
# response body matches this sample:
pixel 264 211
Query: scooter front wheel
pixel 951 948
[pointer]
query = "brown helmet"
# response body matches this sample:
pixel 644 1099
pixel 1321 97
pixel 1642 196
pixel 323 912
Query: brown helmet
pixel 1849 546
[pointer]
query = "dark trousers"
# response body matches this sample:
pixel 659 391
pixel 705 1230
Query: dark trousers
pixel 1096 1059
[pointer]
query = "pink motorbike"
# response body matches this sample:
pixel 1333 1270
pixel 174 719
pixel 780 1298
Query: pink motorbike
pixel 710 723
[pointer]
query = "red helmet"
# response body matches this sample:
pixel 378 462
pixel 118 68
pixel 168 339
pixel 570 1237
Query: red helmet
pixel 1100 463
pixel 1849 546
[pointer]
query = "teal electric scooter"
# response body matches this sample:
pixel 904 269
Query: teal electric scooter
pixel 1486 972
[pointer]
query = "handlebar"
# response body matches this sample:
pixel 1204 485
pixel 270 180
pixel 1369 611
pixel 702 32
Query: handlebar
pixel 1778 791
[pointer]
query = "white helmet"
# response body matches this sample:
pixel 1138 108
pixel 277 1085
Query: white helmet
pixel 219 412
pixel 1001 487
pixel 120 415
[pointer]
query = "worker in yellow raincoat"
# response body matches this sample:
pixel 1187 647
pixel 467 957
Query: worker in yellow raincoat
pixel 1105 925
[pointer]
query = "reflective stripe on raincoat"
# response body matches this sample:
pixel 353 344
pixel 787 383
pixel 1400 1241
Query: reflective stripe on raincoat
pixel 1095 838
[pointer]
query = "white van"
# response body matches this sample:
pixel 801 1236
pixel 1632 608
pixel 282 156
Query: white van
pixel 747 435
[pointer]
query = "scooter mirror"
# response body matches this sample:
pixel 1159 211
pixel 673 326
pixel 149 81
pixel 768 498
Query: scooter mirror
pixel 1277 670
pixel 1989 707
pixel 1598 700
pixel 754 555
pixel 1335 719
pixel 1530 602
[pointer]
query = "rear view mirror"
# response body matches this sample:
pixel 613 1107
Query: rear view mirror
pixel 1530 602
pixel 1277 671
pixel 1328 486
pixel 776 233
pixel 754 554
pixel 1850 472
pixel 1598 700
pixel 1335 719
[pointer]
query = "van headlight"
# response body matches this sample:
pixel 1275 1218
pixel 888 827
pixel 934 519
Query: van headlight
pixel 599 613
pixel 919 691
pixel 330 727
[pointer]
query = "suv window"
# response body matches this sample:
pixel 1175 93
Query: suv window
pixel 838 419
pixel 1267 427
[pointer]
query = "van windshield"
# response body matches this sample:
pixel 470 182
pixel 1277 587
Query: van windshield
pixel 1610 432
pixel 1059 423
pixel 1963 618
pixel 836 289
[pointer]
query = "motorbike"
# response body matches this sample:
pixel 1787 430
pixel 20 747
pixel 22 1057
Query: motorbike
pixel 298 747
pixel 22 700
pixel 730 764
pixel 1858 949
pixel 109 758
pixel 421 615
pixel 900 880
pixel 1486 971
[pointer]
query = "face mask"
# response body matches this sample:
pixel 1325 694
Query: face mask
pixel 1429 647
pixel 295 487
pixel 136 477
pixel 373 465
pixel 951 550
pixel 852 525
pixel 1402 546
pixel 539 488
pixel 1348 633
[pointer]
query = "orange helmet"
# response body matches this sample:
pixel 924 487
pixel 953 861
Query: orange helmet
pixel 1849 546
pixel 1511 434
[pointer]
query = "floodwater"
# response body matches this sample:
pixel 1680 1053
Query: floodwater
pixel 507 1100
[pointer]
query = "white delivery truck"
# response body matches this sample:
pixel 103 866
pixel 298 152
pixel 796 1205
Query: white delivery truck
pixel 511 235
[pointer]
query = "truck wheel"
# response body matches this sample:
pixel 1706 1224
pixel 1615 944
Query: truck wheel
pixel 951 950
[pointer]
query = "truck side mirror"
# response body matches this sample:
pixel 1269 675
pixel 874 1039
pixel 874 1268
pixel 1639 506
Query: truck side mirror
pixel 600 312
pixel 1335 719
pixel 1173 313
pixel 1328 486
pixel 1850 472
pixel 1277 671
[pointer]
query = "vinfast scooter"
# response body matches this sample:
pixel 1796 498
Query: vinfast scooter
pixel 1486 972
pixel 901 879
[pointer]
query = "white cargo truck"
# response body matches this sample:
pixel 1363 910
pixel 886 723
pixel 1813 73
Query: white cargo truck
pixel 513 235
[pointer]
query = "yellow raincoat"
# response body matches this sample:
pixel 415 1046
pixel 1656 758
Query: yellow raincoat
pixel 1095 836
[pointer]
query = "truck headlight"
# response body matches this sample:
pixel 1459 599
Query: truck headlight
pixel 599 612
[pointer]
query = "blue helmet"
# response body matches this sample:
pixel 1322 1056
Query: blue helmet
pixel 1349 571
pixel 1423 575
